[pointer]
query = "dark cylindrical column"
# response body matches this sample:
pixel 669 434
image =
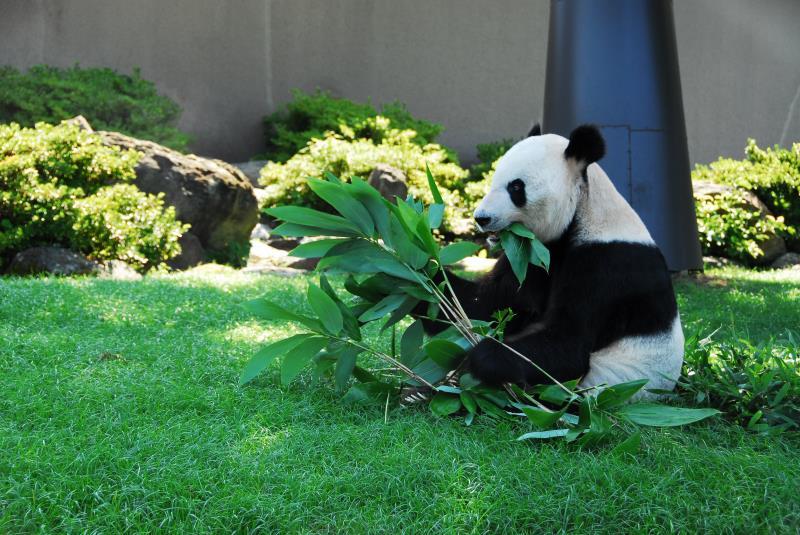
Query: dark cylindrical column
pixel 615 63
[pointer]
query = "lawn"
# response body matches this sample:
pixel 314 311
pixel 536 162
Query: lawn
pixel 120 412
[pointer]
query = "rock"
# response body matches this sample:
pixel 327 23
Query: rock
pixel 214 197
pixel 119 270
pixel 787 260
pixel 192 253
pixel 260 232
pixel 309 264
pixel 774 246
pixel 251 170
pixel 52 260
pixel 285 244
pixel 717 262
pixel 389 181
pixel 81 122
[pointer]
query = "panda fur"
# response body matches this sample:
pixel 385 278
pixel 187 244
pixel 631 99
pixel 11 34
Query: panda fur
pixel 606 311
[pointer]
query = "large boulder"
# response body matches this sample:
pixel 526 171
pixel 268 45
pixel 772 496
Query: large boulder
pixel 53 261
pixel 773 246
pixel 389 181
pixel 214 197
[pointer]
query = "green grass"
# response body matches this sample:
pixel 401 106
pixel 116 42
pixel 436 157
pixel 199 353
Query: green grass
pixel 120 412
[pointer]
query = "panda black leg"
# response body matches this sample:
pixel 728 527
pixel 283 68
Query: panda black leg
pixel 563 359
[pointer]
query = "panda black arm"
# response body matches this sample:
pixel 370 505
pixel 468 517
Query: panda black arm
pixel 498 290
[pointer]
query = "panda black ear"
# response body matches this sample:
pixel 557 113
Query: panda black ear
pixel 586 145
pixel 536 130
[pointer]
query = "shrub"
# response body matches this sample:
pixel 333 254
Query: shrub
pixel 772 174
pixel 310 116
pixel 346 154
pixel 729 227
pixel 57 187
pixel 488 154
pixel 755 386
pixel 108 100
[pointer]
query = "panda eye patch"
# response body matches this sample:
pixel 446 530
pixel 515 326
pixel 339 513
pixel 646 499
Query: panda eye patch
pixel 516 190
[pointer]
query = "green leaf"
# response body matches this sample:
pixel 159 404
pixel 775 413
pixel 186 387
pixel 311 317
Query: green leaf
pixel 521 230
pixel 401 312
pixel 540 255
pixel 383 307
pixel 363 393
pixel 540 435
pixel 629 446
pixel 298 357
pixel 411 344
pixel 445 404
pixel 518 251
pixel 325 308
pixel 437 196
pixel 444 352
pixel 435 215
pixel 424 234
pixel 345 364
pixel 316 248
pixel 308 217
pixel 454 252
pixel 267 310
pixel 653 414
pixel 373 202
pixel 338 197
pixel 428 370
pixel 541 418
pixel 555 394
pixel 362 256
pixel 618 394
pixel 468 400
pixel 404 246
pixel 291 230
pixel 267 354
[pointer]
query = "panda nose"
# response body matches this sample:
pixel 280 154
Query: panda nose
pixel 482 220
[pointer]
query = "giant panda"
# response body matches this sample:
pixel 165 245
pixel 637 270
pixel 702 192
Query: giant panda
pixel 606 311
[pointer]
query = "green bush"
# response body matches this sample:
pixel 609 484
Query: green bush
pixel 772 174
pixel 61 185
pixel 108 100
pixel 756 386
pixel 488 154
pixel 728 226
pixel 346 154
pixel 310 116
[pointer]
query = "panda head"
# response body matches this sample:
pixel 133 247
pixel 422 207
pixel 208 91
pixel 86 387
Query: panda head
pixel 538 183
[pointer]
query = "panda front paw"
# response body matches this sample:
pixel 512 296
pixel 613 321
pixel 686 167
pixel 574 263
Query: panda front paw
pixel 493 364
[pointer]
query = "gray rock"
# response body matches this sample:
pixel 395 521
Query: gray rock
pixel 389 181
pixel 772 247
pixel 251 170
pixel 787 260
pixel 192 253
pixel 119 270
pixel 308 264
pixel 285 244
pixel 214 197
pixel 260 232
pixel 51 260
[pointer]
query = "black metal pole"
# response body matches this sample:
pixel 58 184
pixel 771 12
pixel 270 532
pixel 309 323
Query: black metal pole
pixel 615 63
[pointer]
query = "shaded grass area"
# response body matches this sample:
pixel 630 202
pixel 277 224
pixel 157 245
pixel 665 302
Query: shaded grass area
pixel 119 411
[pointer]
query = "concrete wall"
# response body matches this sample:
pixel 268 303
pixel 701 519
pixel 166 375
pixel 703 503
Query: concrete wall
pixel 476 66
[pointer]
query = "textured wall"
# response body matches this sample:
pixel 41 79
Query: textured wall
pixel 477 66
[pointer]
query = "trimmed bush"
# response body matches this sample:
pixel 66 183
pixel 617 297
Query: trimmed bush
pixel 310 116
pixel 59 185
pixel 729 226
pixel 345 154
pixel 108 100
pixel 772 174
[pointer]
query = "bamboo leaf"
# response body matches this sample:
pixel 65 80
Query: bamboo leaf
pixel 325 308
pixel 345 364
pixel 653 414
pixel 517 251
pixel 383 307
pixel 541 435
pixel 629 446
pixel 300 215
pixel 315 249
pixel 521 230
pixel 454 252
pixel 444 352
pixel 267 310
pixel 618 394
pixel 411 344
pixel 445 404
pixel 344 203
pixel 267 354
pixel 299 356
pixel 437 196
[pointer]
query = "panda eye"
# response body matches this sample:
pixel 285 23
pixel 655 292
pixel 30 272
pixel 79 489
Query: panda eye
pixel 516 190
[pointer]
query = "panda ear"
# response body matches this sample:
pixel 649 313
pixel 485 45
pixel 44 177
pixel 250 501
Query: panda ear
pixel 586 145
pixel 536 130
